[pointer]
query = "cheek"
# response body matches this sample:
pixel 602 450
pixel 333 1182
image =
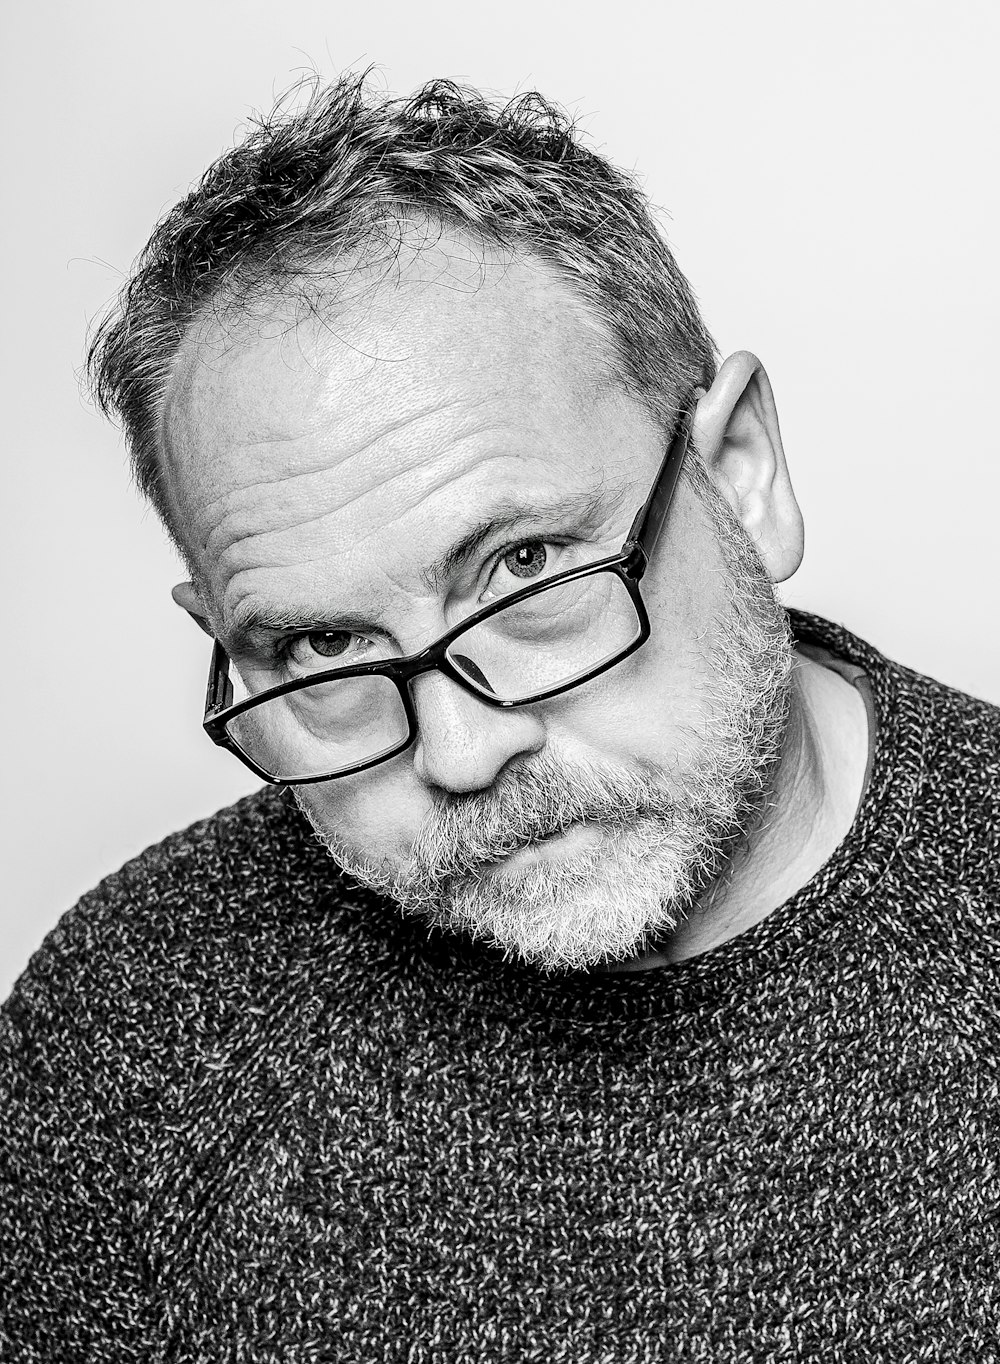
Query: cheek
pixel 376 813
pixel 653 706
pixel 643 708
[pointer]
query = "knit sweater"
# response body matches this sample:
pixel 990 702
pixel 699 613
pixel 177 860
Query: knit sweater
pixel 250 1113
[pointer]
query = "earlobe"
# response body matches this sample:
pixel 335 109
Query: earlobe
pixel 736 432
pixel 188 598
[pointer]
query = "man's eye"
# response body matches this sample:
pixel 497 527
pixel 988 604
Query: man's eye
pixel 527 560
pixel 518 566
pixel 326 649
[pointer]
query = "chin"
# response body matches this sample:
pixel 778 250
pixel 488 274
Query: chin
pixel 561 910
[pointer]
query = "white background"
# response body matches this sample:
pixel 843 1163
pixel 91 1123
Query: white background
pixel 831 178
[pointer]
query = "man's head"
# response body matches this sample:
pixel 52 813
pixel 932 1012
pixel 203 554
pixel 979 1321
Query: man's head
pixel 389 361
pixel 311 195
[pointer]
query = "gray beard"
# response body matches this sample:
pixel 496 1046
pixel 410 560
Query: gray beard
pixel 662 840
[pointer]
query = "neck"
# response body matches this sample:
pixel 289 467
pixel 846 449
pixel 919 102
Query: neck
pixel 817 790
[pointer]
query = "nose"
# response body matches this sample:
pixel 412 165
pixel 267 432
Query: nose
pixel 462 743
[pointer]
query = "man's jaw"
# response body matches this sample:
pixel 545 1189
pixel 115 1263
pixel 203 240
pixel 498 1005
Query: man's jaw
pixel 564 869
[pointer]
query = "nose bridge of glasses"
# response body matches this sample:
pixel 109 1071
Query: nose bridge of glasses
pixel 446 656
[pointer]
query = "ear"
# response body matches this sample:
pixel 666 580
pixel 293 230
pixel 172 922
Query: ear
pixel 736 432
pixel 188 598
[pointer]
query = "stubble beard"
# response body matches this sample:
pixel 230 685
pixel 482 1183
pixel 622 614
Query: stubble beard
pixel 661 841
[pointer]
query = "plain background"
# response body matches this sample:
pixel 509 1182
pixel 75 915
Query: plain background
pixel 830 176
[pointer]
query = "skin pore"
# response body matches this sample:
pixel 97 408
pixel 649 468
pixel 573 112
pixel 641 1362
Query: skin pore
pixel 323 471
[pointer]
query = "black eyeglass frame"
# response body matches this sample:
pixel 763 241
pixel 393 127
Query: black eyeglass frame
pixel 629 564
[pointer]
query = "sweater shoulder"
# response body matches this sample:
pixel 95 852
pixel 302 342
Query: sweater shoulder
pixel 144 991
pixel 226 863
pixel 958 735
pixel 957 826
pixel 963 731
pixel 177 938
pixel 936 764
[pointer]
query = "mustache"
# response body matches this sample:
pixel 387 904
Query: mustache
pixel 465 834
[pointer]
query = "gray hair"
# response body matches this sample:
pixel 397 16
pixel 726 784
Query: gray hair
pixel 327 179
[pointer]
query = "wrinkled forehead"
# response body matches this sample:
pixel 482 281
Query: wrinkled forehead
pixel 315 414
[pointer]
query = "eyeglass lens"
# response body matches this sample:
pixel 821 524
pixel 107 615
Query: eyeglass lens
pixel 548 640
pixel 534 646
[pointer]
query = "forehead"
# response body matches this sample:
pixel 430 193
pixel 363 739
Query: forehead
pixel 296 437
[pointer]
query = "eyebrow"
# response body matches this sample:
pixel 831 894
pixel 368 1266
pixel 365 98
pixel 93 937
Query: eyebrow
pixel 252 621
pixel 585 510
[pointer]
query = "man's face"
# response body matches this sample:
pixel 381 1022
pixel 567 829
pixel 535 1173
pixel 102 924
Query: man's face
pixel 324 470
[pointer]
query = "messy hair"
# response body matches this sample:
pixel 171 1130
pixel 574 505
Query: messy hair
pixel 319 181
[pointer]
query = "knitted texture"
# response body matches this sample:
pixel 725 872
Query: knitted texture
pixel 251 1114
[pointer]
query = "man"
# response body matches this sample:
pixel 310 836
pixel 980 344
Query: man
pixel 646 1007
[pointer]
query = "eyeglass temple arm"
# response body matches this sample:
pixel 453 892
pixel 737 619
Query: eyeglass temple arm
pixel 220 687
pixel 651 515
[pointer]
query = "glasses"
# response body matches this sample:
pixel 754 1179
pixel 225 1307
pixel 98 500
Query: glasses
pixel 532 644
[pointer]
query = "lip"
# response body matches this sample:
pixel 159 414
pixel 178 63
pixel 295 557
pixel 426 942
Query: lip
pixel 553 847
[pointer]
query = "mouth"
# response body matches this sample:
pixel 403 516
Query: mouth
pixel 552 847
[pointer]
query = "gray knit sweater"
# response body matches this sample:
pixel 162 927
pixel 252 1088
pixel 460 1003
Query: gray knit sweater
pixel 248 1114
